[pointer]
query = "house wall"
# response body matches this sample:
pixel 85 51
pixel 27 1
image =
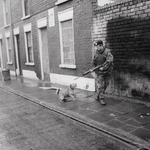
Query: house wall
pixel 124 27
pixel 4 29
pixel 19 21
pixel 3 49
pixel 82 22
pixel 1 15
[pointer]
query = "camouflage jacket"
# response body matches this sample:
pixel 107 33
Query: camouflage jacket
pixel 105 59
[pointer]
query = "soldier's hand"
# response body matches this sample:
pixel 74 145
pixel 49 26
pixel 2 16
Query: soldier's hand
pixel 91 70
pixel 101 69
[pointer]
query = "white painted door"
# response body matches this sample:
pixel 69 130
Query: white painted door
pixel 17 52
pixel 44 55
pixel 1 58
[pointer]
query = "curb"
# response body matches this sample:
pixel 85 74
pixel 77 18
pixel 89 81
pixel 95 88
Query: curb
pixel 116 133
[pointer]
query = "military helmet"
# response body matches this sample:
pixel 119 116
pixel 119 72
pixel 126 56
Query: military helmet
pixel 99 42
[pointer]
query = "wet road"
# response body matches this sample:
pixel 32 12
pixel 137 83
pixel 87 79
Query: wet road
pixel 28 126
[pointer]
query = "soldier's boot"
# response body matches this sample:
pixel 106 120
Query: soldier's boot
pixel 97 98
pixel 102 102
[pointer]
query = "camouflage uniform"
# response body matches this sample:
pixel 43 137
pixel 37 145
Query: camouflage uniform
pixel 102 75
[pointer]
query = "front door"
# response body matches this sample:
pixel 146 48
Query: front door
pixel 17 51
pixel 45 70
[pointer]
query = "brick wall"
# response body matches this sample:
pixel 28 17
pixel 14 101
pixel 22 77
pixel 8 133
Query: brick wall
pixel 17 14
pixel 35 42
pixel 16 9
pixel 124 27
pixel 82 22
pixel 3 30
pixel 35 8
pixel 82 35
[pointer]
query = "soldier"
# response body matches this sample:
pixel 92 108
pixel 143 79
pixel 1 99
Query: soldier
pixel 104 58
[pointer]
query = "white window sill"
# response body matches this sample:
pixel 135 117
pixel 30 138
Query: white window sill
pixel 7 25
pixel 25 17
pixel 67 66
pixel 9 63
pixel 30 64
pixel 61 1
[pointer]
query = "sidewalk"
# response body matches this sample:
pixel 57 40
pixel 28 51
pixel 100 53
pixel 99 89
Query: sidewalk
pixel 125 119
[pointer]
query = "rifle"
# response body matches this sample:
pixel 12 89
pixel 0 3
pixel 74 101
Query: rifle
pixel 91 70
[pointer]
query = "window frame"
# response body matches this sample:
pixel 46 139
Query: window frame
pixel 1 54
pixel 66 16
pixel 27 28
pixel 6 17
pixel 25 16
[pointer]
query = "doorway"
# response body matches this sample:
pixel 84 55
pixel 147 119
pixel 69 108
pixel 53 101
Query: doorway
pixel 44 55
pixel 1 58
pixel 17 52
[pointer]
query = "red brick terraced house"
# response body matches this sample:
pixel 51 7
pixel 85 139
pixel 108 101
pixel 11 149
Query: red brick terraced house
pixel 47 40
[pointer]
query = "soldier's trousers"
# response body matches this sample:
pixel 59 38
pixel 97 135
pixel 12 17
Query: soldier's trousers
pixel 102 82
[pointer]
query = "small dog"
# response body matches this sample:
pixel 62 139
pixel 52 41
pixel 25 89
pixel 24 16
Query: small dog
pixel 68 93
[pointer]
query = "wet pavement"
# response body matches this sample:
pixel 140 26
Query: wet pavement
pixel 124 118
pixel 28 126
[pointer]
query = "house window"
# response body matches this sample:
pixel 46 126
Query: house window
pixel 28 45
pixel 5 11
pixel 9 52
pixel 67 42
pixel 67 39
pixel 25 5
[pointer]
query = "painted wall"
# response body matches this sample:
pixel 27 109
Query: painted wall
pixel 124 26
